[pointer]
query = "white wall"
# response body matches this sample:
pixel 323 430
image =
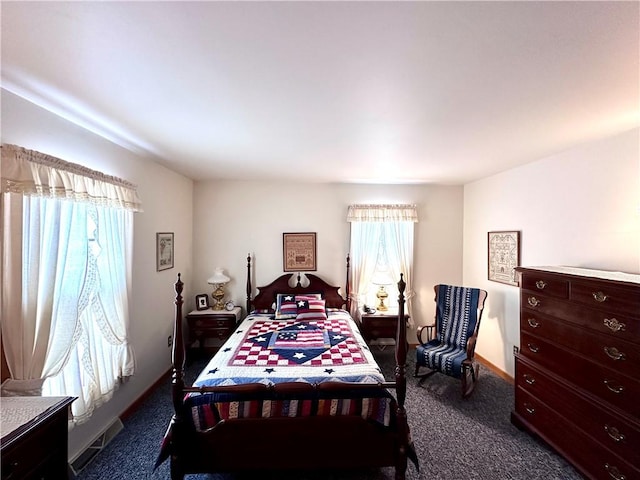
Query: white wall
pixel 167 202
pixel 578 208
pixel 232 219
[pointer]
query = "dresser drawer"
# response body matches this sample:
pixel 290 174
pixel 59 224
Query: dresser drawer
pixel 547 285
pixel 602 321
pixel 220 333
pixel 619 434
pixel 208 323
pixel 608 385
pixel 607 350
pixel 603 296
pixel 581 450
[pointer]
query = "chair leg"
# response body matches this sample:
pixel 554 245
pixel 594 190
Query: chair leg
pixel 423 376
pixel 470 373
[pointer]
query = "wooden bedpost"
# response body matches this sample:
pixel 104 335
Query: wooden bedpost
pixel 177 354
pixel 348 284
pixel 177 385
pixel 248 283
pixel 401 383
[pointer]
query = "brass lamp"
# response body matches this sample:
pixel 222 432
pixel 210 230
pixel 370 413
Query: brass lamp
pixel 381 279
pixel 218 280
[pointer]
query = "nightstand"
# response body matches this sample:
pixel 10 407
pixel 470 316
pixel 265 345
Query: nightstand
pixel 211 324
pixel 379 325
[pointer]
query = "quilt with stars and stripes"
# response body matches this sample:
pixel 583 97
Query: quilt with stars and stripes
pixel 268 351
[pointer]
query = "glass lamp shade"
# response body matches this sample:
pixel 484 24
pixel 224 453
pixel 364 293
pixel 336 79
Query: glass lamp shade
pixel 218 279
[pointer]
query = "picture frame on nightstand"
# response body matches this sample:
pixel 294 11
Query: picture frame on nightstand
pixel 202 301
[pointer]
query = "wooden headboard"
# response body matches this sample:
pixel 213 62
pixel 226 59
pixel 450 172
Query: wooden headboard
pixel 266 296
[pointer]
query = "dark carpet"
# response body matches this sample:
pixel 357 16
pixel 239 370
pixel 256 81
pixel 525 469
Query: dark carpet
pixel 455 439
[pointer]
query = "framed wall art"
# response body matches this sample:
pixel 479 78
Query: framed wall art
pixel 299 252
pixel 504 256
pixel 164 251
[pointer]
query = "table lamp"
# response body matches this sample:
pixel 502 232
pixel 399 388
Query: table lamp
pixel 381 279
pixel 218 280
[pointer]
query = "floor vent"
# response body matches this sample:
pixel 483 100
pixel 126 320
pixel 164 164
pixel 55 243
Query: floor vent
pixel 92 450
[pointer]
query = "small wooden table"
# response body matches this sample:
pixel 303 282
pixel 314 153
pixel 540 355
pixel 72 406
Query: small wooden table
pixel 375 326
pixel 211 324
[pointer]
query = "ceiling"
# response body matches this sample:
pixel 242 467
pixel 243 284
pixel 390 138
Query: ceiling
pixel 364 92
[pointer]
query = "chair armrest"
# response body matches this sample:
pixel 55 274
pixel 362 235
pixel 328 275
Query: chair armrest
pixel 429 329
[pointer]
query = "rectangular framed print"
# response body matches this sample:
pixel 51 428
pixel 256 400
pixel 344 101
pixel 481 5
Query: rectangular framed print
pixel 299 252
pixel 164 251
pixel 504 256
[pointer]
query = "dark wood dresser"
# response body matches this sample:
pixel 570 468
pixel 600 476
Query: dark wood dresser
pixel 34 447
pixel 577 375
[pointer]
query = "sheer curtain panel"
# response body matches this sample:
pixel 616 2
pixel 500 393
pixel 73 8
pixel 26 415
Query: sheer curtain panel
pixel 66 249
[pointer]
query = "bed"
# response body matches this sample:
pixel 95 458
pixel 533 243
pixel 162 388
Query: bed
pixel 295 387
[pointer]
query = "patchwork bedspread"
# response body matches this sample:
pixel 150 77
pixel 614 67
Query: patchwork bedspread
pixel 268 351
pixel 273 351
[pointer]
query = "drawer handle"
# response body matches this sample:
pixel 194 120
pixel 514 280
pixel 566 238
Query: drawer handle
pixel 614 325
pixel 533 301
pixel 614 433
pixel 530 379
pixel 541 284
pixel 534 348
pixel 529 408
pixel 599 296
pixel 614 354
pixel 614 472
pixel 533 323
pixel 615 388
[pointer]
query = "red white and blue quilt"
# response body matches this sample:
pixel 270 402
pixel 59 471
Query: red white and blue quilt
pixel 272 351
pixel 269 351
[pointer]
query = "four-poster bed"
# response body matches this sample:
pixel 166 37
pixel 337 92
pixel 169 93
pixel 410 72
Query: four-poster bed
pixel 265 400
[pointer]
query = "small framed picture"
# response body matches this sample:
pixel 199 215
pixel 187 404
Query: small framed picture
pixel 504 256
pixel 164 251
pixel 202 301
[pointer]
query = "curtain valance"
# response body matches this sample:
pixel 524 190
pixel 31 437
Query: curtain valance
pixel 382 213
pixel 34 173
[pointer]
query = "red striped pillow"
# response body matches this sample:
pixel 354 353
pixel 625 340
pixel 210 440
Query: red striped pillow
pixel 287 307
pixel 310 309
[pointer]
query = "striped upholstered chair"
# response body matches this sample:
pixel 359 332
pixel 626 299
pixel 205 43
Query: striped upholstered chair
pixel 450 343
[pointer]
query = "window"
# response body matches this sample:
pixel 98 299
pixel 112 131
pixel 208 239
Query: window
pixel 381 248
pixel 67 248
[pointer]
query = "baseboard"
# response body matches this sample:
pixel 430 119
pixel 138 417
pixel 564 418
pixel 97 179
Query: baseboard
pixel 500 373
pixel 134 406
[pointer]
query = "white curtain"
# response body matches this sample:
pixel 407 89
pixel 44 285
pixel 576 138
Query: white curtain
pixel 368 224
pixel 67 243
pixel 399 238
pixel 365 239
